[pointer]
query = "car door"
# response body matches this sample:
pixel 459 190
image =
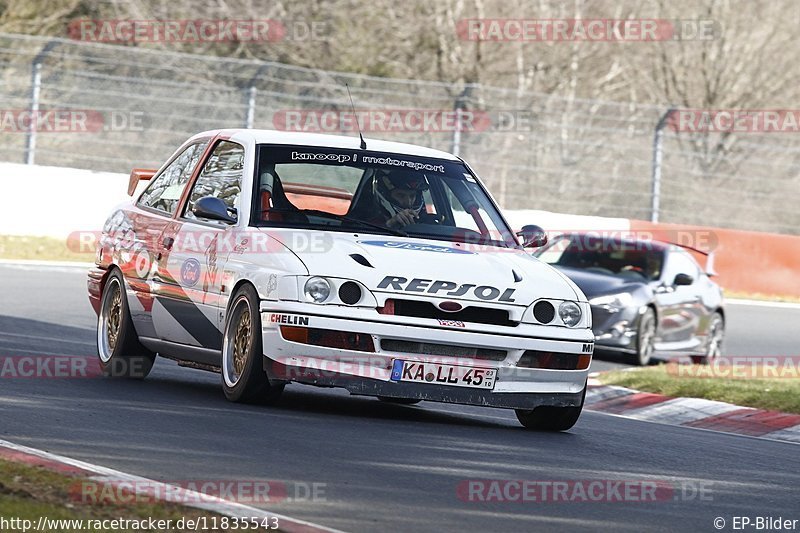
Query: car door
pixel 680 305
pixel 149 218
pixel 190 302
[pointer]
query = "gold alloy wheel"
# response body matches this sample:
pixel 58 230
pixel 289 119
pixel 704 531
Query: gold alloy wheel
pixel 241 342
pixel 114 317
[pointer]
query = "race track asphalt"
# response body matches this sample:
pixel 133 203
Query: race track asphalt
pixel 381 466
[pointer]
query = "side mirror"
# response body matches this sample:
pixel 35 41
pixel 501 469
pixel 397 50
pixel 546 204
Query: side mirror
pixel 532 236
pixel 683 279
pixel 213 209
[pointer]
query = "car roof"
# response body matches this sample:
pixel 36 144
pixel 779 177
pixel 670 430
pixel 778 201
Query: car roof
pixel 326 141
pixel 650 243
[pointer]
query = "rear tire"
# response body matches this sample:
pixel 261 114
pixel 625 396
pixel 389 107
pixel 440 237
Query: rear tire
pixel 548 418
pixel 243 377
pixel 645 339
pixel 399 401
pixel 118 348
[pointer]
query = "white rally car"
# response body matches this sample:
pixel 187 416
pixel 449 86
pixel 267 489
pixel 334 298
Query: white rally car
pixel 380 267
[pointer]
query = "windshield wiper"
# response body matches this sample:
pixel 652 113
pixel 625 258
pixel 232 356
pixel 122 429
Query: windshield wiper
pixel 344 218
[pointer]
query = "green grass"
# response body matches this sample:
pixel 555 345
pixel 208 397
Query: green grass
pixel 41 249
pixel 694 381
pixel 29 492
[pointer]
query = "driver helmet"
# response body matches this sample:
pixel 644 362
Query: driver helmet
pixel 387 181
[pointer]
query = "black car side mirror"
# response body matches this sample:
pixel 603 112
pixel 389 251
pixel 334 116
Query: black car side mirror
pixel 683 279
pixel 213 209
pixel 532 236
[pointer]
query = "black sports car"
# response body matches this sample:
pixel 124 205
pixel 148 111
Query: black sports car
pixel 649 298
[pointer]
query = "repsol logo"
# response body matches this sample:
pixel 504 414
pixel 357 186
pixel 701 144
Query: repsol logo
pixel 447 288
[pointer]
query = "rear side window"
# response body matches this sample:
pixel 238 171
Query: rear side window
pixel 221 178
pixel 680 262
pixel 165 191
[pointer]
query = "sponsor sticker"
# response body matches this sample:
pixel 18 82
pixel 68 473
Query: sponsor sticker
pixel 398 245
pixel 190 272
pixel 293 320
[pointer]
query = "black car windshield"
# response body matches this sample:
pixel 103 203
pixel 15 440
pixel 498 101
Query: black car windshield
pixel 374 192
pixel 636 260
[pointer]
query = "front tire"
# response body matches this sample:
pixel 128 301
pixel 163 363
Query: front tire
pixel 118 348
pixel 549 418
pixel 645 339
pixel 716 334
pixel 243 377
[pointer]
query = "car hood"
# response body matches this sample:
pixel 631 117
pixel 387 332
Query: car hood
pixel 597 284
pixel 447 270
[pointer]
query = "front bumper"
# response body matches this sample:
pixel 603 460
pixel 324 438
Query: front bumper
pixel 369 373
pixel 615 329
pixel 94 284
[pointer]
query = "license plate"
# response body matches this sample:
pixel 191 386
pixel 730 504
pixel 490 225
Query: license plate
pixel 434 373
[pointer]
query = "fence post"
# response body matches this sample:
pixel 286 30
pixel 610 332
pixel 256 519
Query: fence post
pixel 36 88
pixel 460 104
pixel 30 135
pixel 251 108
pixel 658 136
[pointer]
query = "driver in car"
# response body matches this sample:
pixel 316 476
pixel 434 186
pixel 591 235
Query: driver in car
pixel 398 195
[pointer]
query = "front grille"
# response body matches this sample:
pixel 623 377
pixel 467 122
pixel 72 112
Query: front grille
pixel 428 348
pixel 477 315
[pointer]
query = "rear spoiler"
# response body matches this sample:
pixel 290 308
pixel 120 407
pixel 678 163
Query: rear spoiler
pixel 137 175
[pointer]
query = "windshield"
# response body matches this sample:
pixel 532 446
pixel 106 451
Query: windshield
pixel 639 260
pixel 374 192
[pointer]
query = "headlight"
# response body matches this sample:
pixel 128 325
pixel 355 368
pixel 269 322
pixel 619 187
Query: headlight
pixel 623 299
pixel 570 313
pixel 317 290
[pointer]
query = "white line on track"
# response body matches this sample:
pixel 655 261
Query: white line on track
pixel 193 499
pixel 762 303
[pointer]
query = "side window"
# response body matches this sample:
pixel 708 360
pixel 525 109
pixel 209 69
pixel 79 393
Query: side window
pixel 165 191
pixel 221 178
pixel 679 262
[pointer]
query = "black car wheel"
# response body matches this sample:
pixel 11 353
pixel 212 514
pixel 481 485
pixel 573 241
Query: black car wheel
pixel 645 339
pixel 716 334
pixel 549 418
